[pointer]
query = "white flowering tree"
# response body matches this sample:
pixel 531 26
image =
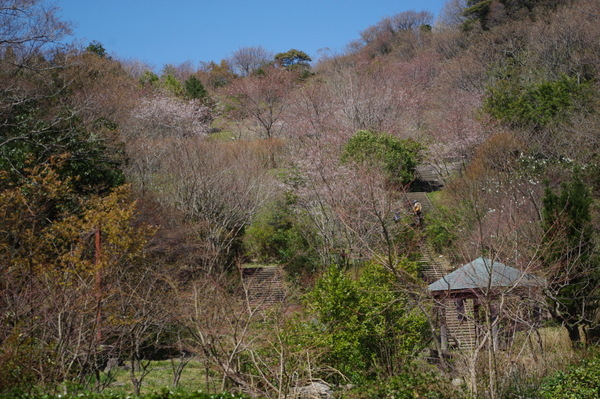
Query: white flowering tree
pixel 165 116
pixel 154 123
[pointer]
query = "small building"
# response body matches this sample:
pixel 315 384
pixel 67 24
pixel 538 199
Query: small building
pixel 484 293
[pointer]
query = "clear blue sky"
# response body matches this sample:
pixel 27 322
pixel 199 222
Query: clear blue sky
pixel 161 32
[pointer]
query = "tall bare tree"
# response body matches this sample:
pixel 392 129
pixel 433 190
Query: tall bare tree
pixel 28 28
pixel 247 60
pixel 262 99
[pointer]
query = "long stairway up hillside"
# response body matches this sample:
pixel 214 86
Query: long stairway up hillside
pixel 264 285
pixel 432 177
pixel 429 178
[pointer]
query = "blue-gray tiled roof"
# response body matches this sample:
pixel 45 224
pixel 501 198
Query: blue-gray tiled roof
pixel 481 273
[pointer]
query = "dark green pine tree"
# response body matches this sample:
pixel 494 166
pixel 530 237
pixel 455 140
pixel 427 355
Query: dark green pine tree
pixel 570 256
pixel 194 88
pixel 293 58
pixel 476 12
pixel 488 13
pixel 97 48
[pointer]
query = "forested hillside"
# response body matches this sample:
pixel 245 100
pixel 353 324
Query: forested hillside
pixel 252 219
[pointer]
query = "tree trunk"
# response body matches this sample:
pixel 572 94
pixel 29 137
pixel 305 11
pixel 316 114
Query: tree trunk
pixel 493 377
pixel 574 335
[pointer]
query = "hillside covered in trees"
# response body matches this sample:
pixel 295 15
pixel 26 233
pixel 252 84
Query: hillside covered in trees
pixel 136 206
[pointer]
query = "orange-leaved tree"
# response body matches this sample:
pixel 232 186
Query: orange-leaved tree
pixel 59 253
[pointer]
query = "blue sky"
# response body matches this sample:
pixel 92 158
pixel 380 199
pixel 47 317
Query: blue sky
pixel 174 31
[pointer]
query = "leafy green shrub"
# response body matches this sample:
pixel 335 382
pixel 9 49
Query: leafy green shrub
pixel 407 385
pixel 367 326
pixel 534 105
pixel 275 236
pixel 398 158
pixel 441 229
pixel 578 382
pixel 19 358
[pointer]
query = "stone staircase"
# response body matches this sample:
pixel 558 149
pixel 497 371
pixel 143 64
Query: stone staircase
pixel 433 266
pixel 264 285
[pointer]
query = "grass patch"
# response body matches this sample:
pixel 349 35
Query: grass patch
pixel 225 130
pixel 223 135
pixel 193 378
pixel 163 394
pixel 254 265
pixel 435 196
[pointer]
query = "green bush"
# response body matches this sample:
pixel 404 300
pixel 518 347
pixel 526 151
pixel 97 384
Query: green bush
pixel 578 382
pixel 534 105
pixel 408 385
pixel 19 358
pixel 441 228
pixel 368 327
pixel 397 158
pixel 276 236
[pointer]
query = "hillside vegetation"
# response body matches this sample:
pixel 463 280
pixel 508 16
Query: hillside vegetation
pixel 133 206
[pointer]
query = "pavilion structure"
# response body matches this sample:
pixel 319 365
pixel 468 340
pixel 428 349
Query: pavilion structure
pixel 482 296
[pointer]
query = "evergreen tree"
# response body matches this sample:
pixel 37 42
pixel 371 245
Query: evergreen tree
pixel 97 48
pixel 570 256
pixel 477 11
pixel 488 13
pixel 171 84
pixel 194 88
pixel 148 78
pixel 293 58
